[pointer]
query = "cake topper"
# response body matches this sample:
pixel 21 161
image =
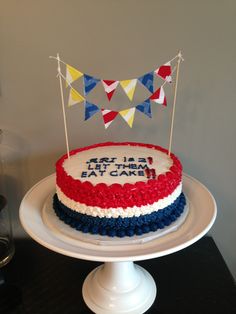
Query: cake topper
pixel 158 96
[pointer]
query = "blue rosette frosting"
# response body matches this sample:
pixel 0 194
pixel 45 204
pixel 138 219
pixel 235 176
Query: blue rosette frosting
pixel 120 227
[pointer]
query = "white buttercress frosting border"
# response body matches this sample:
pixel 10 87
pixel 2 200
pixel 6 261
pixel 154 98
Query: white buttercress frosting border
pixel 111 212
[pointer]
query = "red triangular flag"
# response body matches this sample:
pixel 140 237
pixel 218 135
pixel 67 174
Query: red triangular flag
pixel 110 87
pixel 108 116
pixel 165 72
pixel 159 96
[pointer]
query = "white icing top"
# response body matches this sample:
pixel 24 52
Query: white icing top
pixel 117 164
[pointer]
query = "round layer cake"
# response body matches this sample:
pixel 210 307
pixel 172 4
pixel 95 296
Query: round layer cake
pixel 119 189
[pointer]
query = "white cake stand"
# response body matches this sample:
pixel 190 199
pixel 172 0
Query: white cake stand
pixel 118 286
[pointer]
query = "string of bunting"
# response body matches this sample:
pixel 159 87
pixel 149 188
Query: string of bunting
pixel 110 86
pixel 158 96
pixel 165 72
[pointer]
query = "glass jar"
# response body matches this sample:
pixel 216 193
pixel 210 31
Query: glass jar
pixel 6 237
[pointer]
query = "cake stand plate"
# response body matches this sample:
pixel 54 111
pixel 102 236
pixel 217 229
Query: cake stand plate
pixel 119 286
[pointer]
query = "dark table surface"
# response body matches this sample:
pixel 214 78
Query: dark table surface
pixel 194 280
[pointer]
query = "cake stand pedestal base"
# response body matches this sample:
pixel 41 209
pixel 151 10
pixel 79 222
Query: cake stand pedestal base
pixel 119 288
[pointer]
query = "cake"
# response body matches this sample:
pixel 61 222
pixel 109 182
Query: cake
pixel 119 189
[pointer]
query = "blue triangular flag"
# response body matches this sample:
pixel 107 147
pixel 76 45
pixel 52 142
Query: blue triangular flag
pixel 147 81
pixel 89 83
pixel 90 110
pixel 145 108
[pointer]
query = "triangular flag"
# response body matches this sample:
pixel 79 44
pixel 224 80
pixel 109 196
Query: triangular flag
pixel 72 74
pixel 108 116
pixel 74 97
pixel 89 83
pixel 165 72
pixel 90 110
pixel 110 87
pixel 147 81
pixel 129 87
pixel 128 115
pixel 159 96
pixel 145 108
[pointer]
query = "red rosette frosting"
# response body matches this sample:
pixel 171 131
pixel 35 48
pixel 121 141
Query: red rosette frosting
pixel 119 195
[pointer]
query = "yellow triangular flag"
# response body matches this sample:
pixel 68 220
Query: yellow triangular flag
pixel 128 115
pixel 129 87
pixel 74 97
pixel 72 74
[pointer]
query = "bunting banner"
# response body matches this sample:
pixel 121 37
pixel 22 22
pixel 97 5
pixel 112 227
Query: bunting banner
pixel 89 83
pixel 110 87
pixel 159 96
pixel 147 81
pixel 72 74
pixel 108 116
pixel 128 115
pixel 165 72
pixel 129 87
pixel 74 97
pixel 90 110
pixel 145 108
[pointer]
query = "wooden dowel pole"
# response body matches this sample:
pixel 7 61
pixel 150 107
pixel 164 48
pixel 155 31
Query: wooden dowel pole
pixel 63 105
pixel 180 58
